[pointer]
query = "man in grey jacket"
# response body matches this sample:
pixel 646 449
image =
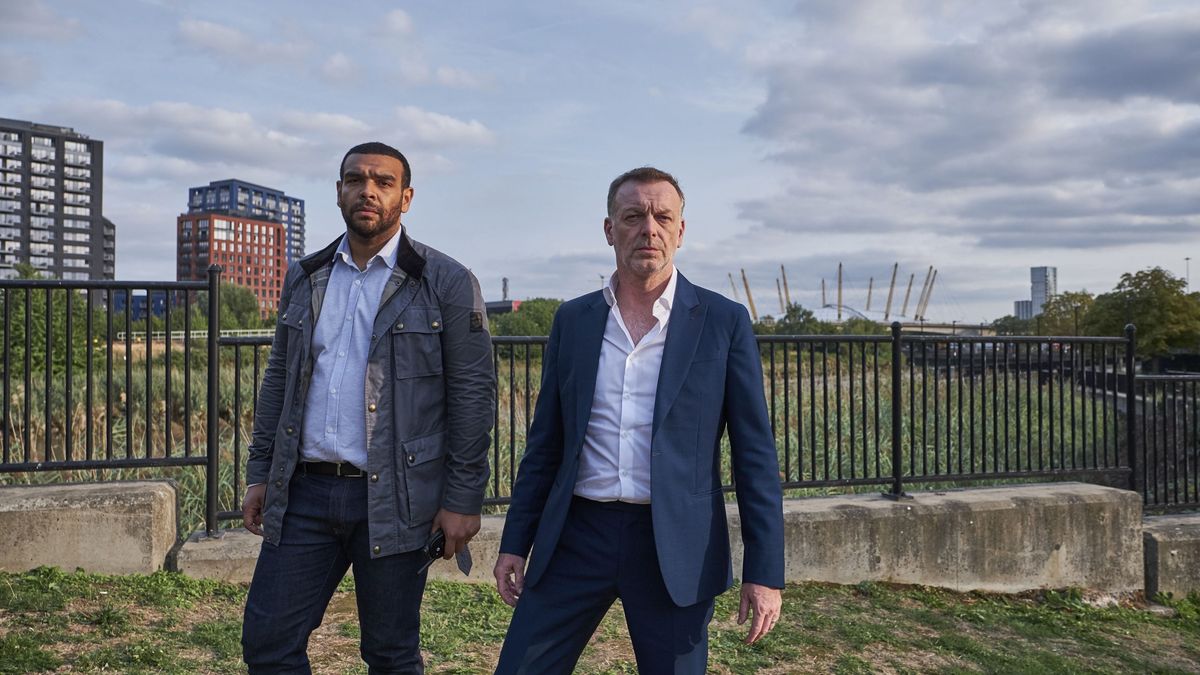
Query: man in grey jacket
pixel 371 430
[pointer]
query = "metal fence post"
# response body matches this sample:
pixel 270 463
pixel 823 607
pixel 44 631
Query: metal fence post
pixel 897 491
pixel 1131 407
pixel 213 445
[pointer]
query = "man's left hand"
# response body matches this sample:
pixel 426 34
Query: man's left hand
pixel 458 528
pixel 765 603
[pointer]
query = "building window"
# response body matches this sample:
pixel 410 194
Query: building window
pixel 76 250
pixel 41 221
pixel 39 168
pixel 42 181
pixel 41 195
pixel 9 205
pixel 76 172
pixel 44 154
pixel 41 249
pixel 41 141
pixel 42 208
pixel 74 262
pixel 76 185
pixel 75 276
pixel 77 210
pixel 77 236
pixel 40 235
pixel 75 223
pixel 75 146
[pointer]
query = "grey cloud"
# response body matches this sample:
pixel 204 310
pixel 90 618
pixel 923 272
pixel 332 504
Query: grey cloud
pixel 33 19
pixel 1155 58
pixel 18 71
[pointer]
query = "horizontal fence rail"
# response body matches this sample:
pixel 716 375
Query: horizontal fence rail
pixel 81 391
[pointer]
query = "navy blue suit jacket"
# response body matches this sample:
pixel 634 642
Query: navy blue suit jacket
pixel 710 380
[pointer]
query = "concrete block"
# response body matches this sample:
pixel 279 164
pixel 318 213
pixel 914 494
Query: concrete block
pixel 1002 539
pixel 230 556
pixel 1172 545
pixel 109 528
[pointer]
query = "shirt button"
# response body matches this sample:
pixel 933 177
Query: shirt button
pixel 625 396
pixel 290 430
pixel 375 550
pixel 374 478
pixel 357 282
pixel 348 317
pixel 329 430
pixel 371 408
pixel 341 353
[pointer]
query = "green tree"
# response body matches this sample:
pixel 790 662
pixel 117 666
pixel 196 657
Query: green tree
pixel 239 310
pixel 1011 325
pixel 532 317
pixel 1155 301
pixel 796 321
pixel 15 303
pixel 1065 313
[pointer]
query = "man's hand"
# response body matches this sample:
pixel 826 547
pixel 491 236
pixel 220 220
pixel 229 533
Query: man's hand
pixel 252 508
pixel 510 577
pixel 766 604
pixel 457 527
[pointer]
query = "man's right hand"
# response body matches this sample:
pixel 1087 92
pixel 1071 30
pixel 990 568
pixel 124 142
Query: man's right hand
pixel 510 577
pixel 252 508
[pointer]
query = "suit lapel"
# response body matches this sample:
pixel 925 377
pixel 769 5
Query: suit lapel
pixel 683 333
pixel 588 340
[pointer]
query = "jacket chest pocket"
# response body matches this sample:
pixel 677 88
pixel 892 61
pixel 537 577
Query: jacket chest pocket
pixel 293 317
pixel 417 342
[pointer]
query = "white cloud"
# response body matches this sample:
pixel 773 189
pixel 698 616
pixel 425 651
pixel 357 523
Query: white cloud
pixel 231 44
pixel 456 77
pixel 397 22
pixel 430 128
pixel 338 69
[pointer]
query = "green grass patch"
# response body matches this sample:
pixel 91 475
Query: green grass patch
pixel 167 623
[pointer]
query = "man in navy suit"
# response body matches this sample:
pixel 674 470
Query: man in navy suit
pixel 619 492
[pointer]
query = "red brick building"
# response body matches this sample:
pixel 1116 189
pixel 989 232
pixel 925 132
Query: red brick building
pixel 251 252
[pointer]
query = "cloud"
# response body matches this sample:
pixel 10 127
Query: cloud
pixel 397 22
pixel 430 128
pixel 338 69
pixel 231 44
pixel 33 19
pixel 1072 125
pixel 18 71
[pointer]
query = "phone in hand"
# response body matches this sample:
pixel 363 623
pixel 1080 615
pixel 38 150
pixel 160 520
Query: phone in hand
pixel 434 548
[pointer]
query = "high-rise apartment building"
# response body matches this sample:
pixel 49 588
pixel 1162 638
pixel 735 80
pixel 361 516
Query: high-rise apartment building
pixel 1043 286
pixel 1023 309
pixel 238 198
pixel 51 189
pixel 250 251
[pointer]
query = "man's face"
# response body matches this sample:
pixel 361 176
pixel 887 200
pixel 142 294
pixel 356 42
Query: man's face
pixel 370 195
pixel 645 228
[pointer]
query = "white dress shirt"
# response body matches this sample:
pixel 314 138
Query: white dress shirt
pixel 615 462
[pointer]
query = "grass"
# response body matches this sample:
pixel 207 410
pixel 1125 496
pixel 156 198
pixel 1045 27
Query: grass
pixel 168 623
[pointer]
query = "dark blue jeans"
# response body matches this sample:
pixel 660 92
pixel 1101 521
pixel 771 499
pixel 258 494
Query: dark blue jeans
pixel 324 533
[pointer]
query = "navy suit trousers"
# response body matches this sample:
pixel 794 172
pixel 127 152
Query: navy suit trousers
pixel 606 551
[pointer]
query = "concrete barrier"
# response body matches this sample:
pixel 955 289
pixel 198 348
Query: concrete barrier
pixel 1004 539
pixel 110 528
pixel 1172 545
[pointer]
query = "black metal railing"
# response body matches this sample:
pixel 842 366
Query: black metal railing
pixel 1169 462
pixel 74 398
pixel 85 389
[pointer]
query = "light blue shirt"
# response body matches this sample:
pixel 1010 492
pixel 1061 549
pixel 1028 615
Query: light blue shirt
pixel 334 428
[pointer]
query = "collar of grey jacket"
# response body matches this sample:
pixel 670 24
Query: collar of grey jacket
pixel 407 257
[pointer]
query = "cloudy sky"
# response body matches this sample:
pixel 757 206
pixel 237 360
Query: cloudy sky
pixel 981 138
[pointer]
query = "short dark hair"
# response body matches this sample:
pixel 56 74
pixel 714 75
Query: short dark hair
pixel 377 148
pixel 642 174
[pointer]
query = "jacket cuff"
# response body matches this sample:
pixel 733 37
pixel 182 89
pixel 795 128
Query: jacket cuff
pixel 466 502
pixel 257 472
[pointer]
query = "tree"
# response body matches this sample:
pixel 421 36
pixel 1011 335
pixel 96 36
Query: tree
pixel 532 317
pixel 1011 325
pixel 239 309
pixel 34 341
pixel 796 321
pixel 1064 314
pixel 1155 301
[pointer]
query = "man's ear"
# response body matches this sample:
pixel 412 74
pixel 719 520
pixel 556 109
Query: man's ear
pixel 608 225
pixel 339 193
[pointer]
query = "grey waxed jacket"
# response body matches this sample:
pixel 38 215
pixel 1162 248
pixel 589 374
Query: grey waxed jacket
pixel 429 395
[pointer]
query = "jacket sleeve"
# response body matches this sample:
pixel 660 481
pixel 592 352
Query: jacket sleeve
pixel 755 462
pixel 270 394
pixel 543 455
pixel 470 381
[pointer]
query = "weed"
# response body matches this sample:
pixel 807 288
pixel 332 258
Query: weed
pixel 22 654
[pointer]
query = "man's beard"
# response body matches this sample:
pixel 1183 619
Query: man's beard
pixel 368 230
